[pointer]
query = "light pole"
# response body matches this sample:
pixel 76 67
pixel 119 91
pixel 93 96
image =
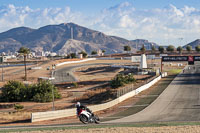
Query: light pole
pixel 2 68
pixel 52 78
pixel 53 107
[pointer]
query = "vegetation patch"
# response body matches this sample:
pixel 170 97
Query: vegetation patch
pixel 18 107
pixel 15 91
pixel 121 79
pixel 175 71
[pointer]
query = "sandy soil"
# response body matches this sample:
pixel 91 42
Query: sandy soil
pixel 170 129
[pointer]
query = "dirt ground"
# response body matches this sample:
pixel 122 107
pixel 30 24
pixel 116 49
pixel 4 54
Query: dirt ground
pixel 18 73
pixel 168 129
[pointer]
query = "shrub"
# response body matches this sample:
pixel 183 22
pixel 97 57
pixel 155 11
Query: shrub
pixel 93 52
pixel 117 81
pixel 120 80
pixel 130 78
pixel 75 84
pixel 18 107
pixel 14 91
pixel 42 92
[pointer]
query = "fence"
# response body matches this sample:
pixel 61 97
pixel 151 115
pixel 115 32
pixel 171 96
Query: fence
pixel 131 87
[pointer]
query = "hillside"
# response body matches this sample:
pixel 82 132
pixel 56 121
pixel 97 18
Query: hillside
pixel 193 44
pixel 64 38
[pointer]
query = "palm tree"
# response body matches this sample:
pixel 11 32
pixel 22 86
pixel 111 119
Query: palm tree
pixel 24 51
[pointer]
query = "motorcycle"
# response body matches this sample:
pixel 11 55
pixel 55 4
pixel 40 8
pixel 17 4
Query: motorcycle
pixel 87 117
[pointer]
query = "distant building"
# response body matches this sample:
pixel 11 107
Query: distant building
pixel 80 56
pixel 53 54
pixel 39 53
pixel 33 54
pixel 4 59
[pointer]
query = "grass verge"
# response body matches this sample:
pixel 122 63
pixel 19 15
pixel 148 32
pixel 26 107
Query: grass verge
pixel 174 71
pixel 160 124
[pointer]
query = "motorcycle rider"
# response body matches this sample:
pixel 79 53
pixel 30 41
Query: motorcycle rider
pixel 79 106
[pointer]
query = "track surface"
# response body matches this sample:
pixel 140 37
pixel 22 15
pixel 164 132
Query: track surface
pixel 179 102
pixel 66 75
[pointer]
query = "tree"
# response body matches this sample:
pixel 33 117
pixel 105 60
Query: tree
pixel 15 91
pixel 93 52
pixel 153 48
pixel 72 55
pixel 84 54
pixel 161 49
pixel 197 48
pixel 179 49
pixel 170 48
pixel 189 48
pixel 42 92
pixel 121 79
pixel 127 48
pixel 24 51
pixel 103 51
pixel 143 49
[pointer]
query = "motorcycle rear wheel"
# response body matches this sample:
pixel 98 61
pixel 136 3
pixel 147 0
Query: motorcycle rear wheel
pixel 83 119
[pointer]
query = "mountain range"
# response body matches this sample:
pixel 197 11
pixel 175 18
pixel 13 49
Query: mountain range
pixel 65 38
pixel 193 44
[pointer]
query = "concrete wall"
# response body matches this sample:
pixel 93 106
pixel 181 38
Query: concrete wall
pixel 136 59
pixel 71 62
pixel 40 116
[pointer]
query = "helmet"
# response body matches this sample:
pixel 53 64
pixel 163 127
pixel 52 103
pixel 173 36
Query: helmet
pixel 78 104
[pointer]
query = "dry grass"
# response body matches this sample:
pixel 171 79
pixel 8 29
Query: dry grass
pixel 6 117
pixel 163 129
pixel 89 94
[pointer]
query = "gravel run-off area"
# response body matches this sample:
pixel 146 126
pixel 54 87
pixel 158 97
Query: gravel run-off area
pixel 164 129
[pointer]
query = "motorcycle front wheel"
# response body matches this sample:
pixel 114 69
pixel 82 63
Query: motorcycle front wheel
pixel 96 119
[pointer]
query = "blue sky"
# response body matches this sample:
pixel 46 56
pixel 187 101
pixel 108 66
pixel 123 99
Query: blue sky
pixel 160 21
pixel 89 6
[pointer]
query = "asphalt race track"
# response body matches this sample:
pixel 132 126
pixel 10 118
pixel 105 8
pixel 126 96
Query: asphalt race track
pixel 179 102
pixel 66 75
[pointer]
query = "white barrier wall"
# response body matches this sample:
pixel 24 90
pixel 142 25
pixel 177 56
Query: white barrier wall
pixel 40 116
pixel 71 62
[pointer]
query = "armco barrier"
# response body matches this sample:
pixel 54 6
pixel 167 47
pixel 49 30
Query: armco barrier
pixel 71 62
pixel 40 116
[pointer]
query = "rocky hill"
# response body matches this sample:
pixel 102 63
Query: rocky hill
pixel 193 44
pixel 140 42
pixel 64 38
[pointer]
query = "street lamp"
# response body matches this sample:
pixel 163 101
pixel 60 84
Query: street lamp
pixel 52 78
pixel 2 68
